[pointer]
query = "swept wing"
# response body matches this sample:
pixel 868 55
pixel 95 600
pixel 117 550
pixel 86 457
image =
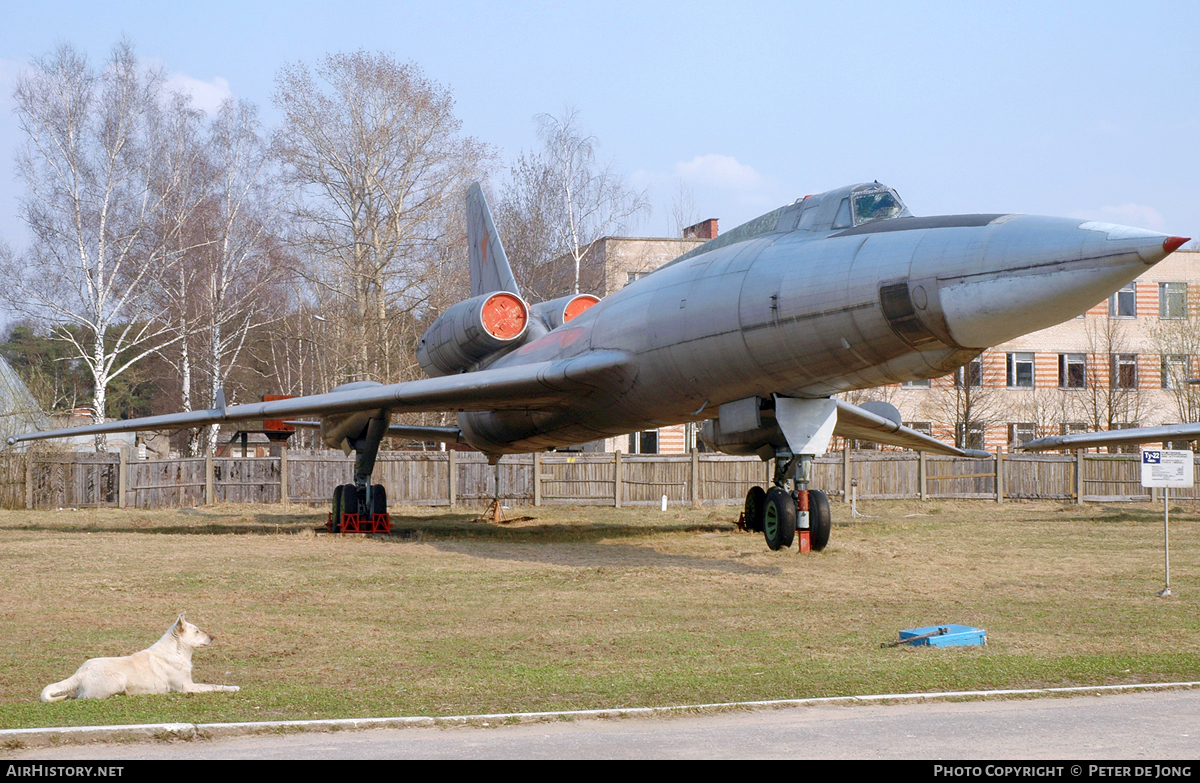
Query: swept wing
pixel 860 424
pixel 1129 437
pixel 542 385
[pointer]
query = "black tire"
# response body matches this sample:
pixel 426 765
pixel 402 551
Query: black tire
pixel 378 500
pixel 779 519
pixel 349 500
pixel 820 522
pixel 756 504
pixel 336 517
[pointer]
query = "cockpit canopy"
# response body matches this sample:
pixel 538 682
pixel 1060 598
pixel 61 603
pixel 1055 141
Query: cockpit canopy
pixel 851 206
pixel 836 210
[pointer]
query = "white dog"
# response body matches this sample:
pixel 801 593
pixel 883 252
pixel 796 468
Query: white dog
pixel 165 667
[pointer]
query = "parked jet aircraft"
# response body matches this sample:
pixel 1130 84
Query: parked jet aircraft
pixel 750 333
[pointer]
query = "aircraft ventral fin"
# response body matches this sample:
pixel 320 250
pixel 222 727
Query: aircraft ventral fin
pixel 541 385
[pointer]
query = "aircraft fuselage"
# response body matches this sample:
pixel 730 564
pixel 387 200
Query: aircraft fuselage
pixel 804 313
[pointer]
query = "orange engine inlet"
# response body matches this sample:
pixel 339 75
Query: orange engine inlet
pixel 504 316
pixel 578 305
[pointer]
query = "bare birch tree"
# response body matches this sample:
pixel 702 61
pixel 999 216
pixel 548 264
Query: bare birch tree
pixel 375 153
pixel 558 202
pixel 966 399
pixel 1178 343
pixel 1114 391
pixel 87 164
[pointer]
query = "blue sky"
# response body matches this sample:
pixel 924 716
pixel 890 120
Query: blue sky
pixel 1088 109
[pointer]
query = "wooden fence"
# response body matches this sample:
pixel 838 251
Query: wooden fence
pixel 465 479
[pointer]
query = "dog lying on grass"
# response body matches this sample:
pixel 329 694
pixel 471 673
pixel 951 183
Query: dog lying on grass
pixel 164 667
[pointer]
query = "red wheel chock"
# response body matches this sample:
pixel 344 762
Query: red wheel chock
pixel 362 523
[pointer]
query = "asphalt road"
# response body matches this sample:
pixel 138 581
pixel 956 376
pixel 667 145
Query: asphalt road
pixel 1153 726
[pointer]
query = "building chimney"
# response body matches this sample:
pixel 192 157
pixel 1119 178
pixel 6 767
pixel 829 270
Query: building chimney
pixel 705 229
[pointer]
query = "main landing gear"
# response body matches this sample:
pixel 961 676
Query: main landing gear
pixel 359 510
pixel 779 514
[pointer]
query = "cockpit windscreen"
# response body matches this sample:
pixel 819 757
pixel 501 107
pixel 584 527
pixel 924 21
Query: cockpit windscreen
pixel 876 205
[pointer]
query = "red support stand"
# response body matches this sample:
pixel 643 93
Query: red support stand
pixel 362 523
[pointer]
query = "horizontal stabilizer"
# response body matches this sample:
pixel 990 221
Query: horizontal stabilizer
pixel 1129 437
pixel 859 424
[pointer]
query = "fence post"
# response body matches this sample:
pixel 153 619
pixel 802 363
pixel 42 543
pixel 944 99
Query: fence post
pixel 209 495
pixel 29 480
pixel 123 478
pixel 695 478
pixel 921 483
pixel 537 478
pixel 453 468
pixel 1079 477
pixel 283 474
pixel 999 474
pixel 617 479
pixel 846 470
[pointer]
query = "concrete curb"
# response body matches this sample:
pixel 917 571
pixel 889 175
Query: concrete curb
pixel 26 738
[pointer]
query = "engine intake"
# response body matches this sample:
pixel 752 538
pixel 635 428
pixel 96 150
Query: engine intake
pixel 472 330
pixel 557 312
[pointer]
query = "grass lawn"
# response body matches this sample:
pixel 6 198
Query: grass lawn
pixel 587 607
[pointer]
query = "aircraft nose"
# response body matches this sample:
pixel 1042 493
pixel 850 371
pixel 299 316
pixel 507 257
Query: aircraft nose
pixel 1036 272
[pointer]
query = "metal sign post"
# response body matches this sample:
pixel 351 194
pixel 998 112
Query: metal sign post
pixel 1166 468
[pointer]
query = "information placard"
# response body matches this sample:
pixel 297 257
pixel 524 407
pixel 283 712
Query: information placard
pixel 1166 468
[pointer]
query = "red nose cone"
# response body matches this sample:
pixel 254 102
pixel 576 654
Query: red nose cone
pixel 1171 244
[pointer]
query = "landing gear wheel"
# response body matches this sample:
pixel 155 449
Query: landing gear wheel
pixel 349 499
pixel 819 520
pixel 779 519
pixel 378 500
pixel 336 516
pixel 756 505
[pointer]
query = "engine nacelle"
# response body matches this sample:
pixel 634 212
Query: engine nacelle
pixel 558 311
pixel 472 330
pixel 761 441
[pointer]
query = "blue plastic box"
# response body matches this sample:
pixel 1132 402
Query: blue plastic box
pixel 955 635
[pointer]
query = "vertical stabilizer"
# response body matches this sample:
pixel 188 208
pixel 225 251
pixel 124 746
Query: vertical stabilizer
pixel 489 265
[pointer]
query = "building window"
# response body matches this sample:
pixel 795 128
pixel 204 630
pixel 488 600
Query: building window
pixel 631 277
pixel 1072 428
pixel 920 383
pixel 645 442
pixel 1020 433
pixel 1172 300
pixel 969 435
pixel 1175 371
pixel 1123 304
pixel 1072 370
pixel 923 427
pixel 1020 371
pixel 1124 371
pixel 973 372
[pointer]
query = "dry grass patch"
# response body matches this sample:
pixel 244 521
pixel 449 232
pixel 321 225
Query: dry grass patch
pixel 586 607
